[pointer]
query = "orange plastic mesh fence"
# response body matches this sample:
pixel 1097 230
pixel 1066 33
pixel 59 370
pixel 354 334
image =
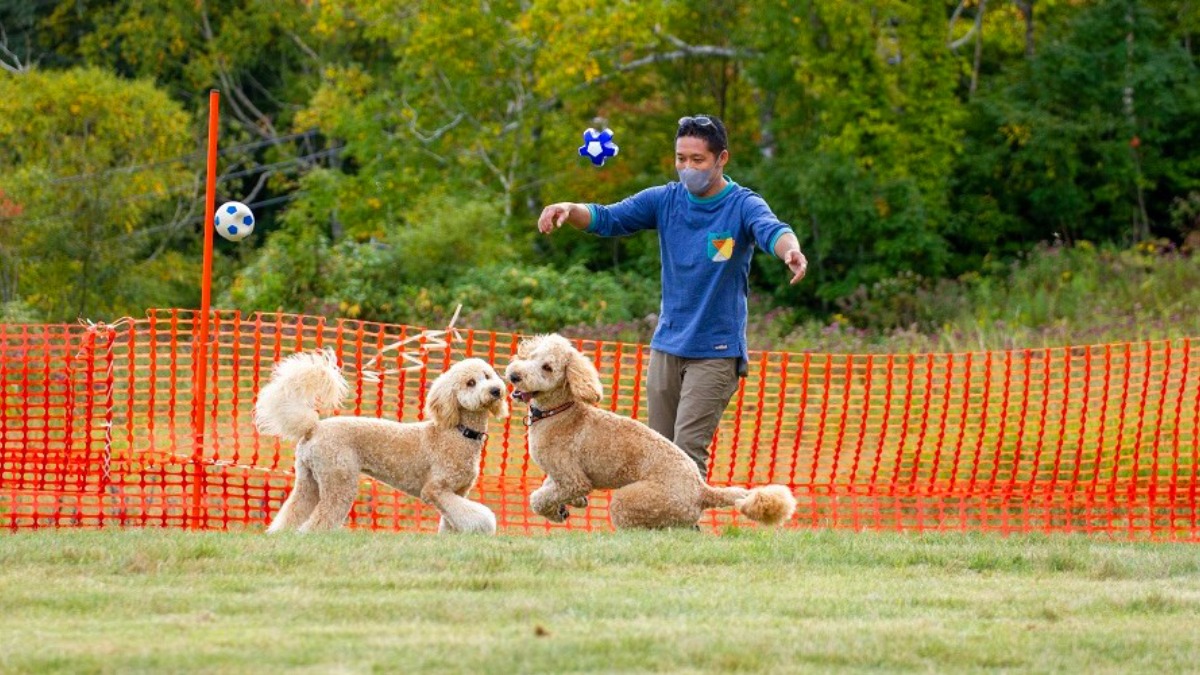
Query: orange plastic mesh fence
pixel 97 431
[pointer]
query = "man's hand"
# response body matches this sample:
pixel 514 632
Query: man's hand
pixel 553 216
pixel 797 263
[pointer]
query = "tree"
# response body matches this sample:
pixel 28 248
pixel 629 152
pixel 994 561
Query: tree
pixel 96 164
pixel 1091 140
pixel 872 122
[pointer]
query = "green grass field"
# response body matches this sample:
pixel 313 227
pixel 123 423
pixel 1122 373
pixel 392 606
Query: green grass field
pixel 745 601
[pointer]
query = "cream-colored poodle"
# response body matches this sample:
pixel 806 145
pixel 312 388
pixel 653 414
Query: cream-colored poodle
pixel 436 460
pixel 582 448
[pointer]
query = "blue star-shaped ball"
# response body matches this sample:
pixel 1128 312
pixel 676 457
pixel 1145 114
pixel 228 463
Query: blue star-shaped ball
pixel 598 146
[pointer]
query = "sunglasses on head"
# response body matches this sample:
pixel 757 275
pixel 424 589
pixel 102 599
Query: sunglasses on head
pixel 698 120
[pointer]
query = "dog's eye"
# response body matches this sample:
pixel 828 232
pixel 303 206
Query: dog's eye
pixel 470 383
pixel 546 367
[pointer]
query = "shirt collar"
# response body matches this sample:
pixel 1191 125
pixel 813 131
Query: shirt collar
pixel 729 185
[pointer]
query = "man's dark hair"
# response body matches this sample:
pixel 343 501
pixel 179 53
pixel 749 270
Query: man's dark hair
pixel 708 127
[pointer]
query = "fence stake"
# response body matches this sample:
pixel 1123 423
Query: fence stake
pixel 201 365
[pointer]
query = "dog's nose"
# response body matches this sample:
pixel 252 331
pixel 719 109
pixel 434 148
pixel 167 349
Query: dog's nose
pixel 496 392
pixel 514 378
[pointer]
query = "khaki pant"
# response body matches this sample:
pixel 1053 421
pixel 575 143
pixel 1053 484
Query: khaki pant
pixel 687 397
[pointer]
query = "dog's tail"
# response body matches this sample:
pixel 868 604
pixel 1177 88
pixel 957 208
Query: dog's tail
pixel 301 384
pixel 769 505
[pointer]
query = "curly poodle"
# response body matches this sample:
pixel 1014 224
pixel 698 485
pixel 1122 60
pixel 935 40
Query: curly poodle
pixel 436 460
pixel 582 448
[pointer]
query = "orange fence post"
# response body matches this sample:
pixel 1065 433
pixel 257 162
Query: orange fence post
pixel 199 400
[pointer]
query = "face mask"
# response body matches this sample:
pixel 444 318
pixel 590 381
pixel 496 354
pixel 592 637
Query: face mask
pixel 696 181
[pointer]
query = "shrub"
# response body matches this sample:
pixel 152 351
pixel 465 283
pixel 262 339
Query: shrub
pixel 536 299
pixel 1055 295
pixel 17 311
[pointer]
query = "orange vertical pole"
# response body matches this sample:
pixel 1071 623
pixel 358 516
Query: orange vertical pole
pixel 1187 347
pixel 983 426
pixel 800 424
pixel 887 415
pixel 503 517
pixel 1077 475
pixel 201 365
pixel 779 415
pixel 959 450
pixel 862 422
pixel 1175 468
pixel 758 417
pixel 940 448
pixel 904 422
pixel 256 370
pixel 1154 447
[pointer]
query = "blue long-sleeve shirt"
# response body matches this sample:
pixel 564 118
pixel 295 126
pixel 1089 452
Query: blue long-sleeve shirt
pixel 706 246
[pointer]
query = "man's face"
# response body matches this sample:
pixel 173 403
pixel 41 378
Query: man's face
pixel 693 153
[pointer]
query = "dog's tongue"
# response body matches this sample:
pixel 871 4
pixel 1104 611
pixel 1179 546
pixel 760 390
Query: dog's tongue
pixel 522 396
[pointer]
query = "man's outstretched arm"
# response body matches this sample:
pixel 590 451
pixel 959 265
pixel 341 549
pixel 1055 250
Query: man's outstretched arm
pixel 554 215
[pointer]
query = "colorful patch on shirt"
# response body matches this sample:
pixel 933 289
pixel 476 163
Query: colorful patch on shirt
pixel 720 246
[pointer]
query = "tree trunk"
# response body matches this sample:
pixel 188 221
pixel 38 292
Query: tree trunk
pixel 1025 7
pixel 766 124
pixel 978 47
pixel 1141 220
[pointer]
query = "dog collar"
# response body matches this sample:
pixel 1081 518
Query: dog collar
pixel 536 414
pixel 471 433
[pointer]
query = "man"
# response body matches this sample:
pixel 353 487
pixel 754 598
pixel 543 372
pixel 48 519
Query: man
pixel 707 228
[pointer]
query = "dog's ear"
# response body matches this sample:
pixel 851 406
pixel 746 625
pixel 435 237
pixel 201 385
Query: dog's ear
pixel 523 348
pixel 582 379
pixel 442 404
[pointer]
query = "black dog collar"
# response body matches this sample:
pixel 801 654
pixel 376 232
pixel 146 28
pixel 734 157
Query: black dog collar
pixel 471 433
pixel 536 414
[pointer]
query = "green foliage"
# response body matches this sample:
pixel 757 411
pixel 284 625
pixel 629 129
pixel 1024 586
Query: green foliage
pixel 1052 296
pixel 1185 213
pixel 85 187
pixel 540 299
pixel 17 311
pixel 871 141
pixel 193 46
pixel 371 280
pixel 1149 284
pixel 1063 146
pixel 444 234
pixel 906 300
pixel 416 274
pixel 292 272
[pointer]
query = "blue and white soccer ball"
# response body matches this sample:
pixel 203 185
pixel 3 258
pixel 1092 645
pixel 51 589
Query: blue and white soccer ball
pixel 234 221
pixel 598 145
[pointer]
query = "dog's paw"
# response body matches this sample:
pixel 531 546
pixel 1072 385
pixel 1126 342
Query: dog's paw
pixel 547 508
pixel 580 503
